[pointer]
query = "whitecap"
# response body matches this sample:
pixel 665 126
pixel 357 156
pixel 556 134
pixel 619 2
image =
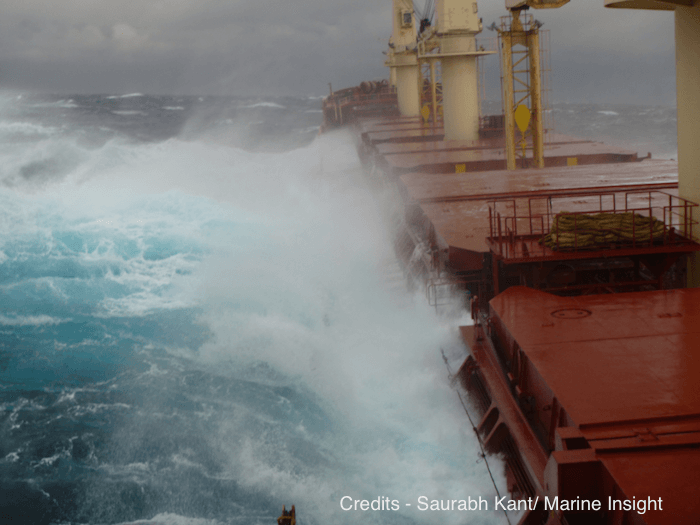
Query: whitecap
pixel 172 519
pixel 130 95
pixel 12 457
pixel 26 128
pixel 264 105
pixel 127 112
pixel 608 112
pixel 30 320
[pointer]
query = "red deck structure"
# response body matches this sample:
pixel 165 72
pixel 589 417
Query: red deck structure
pixel 589 394
pixel 598 395
pixel 487 156
pixel 453 209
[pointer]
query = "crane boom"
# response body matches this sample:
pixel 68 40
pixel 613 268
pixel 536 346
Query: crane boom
pixel 537 4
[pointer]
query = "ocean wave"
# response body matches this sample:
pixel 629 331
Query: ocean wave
pixel 64 104
pixel 264 105
pixel 12 457
pixel 129 95
pixel 27 128
pixel 168 518
pixel 128 112
pixel 31 320
pixel 223 329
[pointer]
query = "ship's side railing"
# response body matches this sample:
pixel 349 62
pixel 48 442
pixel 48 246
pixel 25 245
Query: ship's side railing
pixel 544 226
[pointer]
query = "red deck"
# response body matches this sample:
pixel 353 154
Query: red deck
pixel 426 187
pixel 394 148
pixel 421 134
pixel 388 124
pixel 492 157
pixel 456 205
pixel 623 369
pixel 592 396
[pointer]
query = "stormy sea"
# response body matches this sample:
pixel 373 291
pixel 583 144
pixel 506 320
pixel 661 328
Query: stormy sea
pixel 202 319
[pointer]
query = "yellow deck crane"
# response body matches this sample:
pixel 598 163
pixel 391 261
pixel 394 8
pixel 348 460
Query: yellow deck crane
pixel 687 38
pixel 522 87
pixel 402 58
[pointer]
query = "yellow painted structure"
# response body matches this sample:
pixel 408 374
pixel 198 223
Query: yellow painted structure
pixel 687 21
pixel 403 59
pixel 522 117
pixel 433 91
pixel 517 89
pixel 407 84
pixel 688 103
pixel 460 91
pixel 457 24
pixel 389 62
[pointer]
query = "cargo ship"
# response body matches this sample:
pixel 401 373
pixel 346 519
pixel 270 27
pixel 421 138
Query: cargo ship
pixel 577 260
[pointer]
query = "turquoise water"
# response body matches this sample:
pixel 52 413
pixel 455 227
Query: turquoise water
pixel 202 321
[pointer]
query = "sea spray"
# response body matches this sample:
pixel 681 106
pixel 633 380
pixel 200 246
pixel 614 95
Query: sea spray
pixel 196 333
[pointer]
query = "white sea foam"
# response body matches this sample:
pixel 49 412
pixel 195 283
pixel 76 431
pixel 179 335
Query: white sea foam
pixel 307 296
pixel 168 518
pixel 26 128
pixel 30 320
pixel 264 105
pixel 12 457
pixel 65 104
pixel 128 112
pixel 130 95
pixel 285 256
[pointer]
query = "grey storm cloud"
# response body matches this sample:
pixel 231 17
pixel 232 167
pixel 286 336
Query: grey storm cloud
pixel 276 48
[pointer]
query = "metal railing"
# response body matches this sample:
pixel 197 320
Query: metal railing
pixel 651 218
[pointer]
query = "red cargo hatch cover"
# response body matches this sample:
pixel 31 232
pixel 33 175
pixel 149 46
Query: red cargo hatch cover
pixel 611 358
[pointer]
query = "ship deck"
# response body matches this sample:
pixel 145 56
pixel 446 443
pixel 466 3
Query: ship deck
pixel 394 148
pixel 457 205
pixel 489 154
pixel 624 368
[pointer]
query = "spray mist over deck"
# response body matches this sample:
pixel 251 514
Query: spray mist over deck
pixel 195 333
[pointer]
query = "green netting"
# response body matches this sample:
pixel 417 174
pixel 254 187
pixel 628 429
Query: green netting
pixel 571 231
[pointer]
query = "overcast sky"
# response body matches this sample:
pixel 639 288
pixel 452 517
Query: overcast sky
pixel 295 47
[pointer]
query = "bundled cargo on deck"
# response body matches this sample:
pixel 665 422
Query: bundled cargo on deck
pixel 573 230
